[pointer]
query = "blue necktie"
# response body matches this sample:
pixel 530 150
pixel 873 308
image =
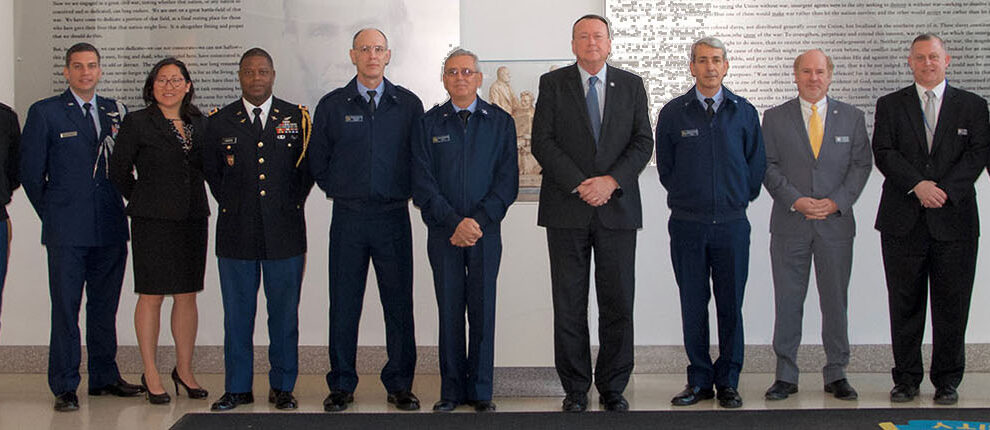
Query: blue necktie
pixel 88 107
pixel 592 103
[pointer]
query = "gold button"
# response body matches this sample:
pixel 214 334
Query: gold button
pixel 224 210
pixel 261 176
pixel 263 193
pixel 261 144
pixel 261 160
pixel 228 147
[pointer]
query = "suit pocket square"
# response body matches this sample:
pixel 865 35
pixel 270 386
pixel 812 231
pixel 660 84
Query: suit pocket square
pixel 841 139
pixel 962 132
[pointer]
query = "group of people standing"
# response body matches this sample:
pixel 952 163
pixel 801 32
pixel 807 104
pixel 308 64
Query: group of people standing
pixel 371 147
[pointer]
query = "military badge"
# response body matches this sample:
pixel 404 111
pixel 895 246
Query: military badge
pixel 230 160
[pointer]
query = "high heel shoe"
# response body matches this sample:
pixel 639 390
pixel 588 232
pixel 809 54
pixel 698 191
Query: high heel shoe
pixel 155 399
pixel 193 393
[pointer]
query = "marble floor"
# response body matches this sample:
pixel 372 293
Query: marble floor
pixel 25 402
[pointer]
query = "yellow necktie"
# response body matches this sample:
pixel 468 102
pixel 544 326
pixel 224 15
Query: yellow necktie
pixel 815 131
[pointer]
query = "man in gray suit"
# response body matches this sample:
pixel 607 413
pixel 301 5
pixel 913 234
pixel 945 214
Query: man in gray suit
pixel 818 160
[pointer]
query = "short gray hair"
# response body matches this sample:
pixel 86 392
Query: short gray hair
pixel 712 42
pixel 457 52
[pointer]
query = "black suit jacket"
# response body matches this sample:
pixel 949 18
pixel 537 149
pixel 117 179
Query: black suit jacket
pixel 958 156
pixel 10 143
pixel 564 146
pixel 170 182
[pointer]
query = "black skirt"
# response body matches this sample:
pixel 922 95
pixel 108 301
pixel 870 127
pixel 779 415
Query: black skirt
pixel 169 256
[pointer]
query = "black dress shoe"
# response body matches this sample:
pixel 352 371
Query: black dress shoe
pixel 780 390
pixel 404 400
pixel 67 402
pixel 282 399
pixel 192 393
pixel 484 406
pixel 692 395
pixel 729 398
pixel 903 393
pixel 575 402
pixel 155 399
pixel 946 396
pixel 841 390
pixel 120 389
pixel 232 400
pixel 337 401
pixel 613 402
pixel 444 406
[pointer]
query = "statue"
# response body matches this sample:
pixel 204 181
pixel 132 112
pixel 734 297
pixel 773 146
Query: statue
pixel 523 116
pixel 500 92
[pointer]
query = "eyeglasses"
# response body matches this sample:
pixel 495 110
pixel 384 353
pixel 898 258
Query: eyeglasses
pixel 377 49
pixel 465 72
pixel 172 82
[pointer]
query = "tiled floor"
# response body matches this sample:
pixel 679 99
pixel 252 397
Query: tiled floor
pixel 25 402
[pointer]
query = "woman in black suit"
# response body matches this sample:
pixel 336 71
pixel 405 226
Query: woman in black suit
pixel 168 209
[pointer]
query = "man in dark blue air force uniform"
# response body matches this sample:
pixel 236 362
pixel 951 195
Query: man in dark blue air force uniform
pixel 360 156
pixel 254 163
pixel 63 165
pixel 465 177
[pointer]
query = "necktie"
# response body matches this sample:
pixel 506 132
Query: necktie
pixel 257 121
pixel 930 118
pixel 592 102
pixel 711 109
pixel 89 120
pixel 464 114
pixel 815 131
pixel 371 100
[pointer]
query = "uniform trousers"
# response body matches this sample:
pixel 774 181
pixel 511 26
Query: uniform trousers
pixel 384 239
pixel 239 281
pixel 917 265
pixel 464 279
pixel 100 270
pixel 791 257
pixel 707 259
pixel 4 255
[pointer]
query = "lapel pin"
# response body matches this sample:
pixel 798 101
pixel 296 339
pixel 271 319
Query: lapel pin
pixel 611 84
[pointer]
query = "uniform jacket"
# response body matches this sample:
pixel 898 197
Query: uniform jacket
pixel 958 156
pixel 360 159
pixel 711 169
pixel 565 147
pixel 240 166
pixel 465 173
pixel 170 182
pixel 10 143
pixel 77 204
pixel 839 173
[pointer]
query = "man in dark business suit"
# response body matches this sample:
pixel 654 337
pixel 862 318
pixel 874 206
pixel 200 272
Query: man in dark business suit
pixel 10 143
pixel 64 154
pixel 818 160
pixel 930 142
pixel 591 135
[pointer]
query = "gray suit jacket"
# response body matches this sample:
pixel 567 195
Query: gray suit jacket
pixel 839 173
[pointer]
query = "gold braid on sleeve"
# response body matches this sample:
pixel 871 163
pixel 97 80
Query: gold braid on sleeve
pixel 307 131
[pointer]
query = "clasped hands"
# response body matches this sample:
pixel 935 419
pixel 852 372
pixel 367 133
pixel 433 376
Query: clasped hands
pixel 466 234
pixel 815 209
pixel 930 195
pixel 598 190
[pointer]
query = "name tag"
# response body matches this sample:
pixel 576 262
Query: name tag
pixel 689 133
pixel 841 139
pixel 68 134
pixel 441 139
pixel 229 140
pixel 962 132
pixel 353 118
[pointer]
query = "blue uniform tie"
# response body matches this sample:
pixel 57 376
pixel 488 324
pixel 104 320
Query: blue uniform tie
pixel 592 102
